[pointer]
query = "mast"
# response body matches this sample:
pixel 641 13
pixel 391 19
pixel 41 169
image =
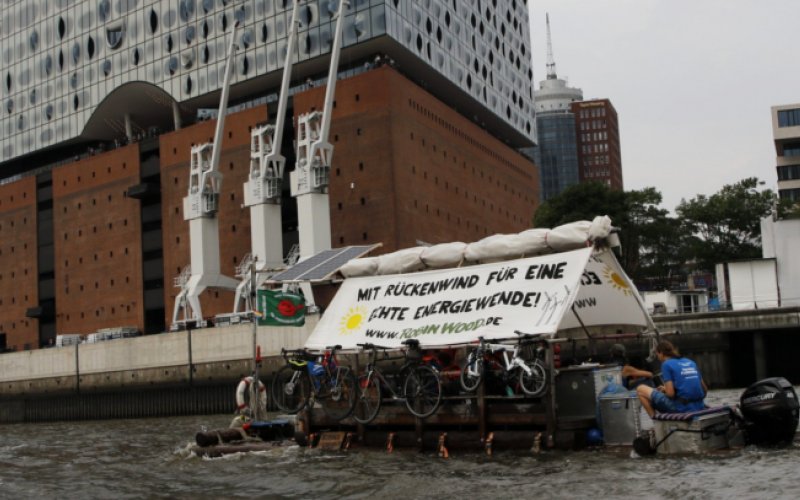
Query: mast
pixel 551 64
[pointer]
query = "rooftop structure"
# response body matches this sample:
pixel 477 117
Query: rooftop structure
pixel 557 149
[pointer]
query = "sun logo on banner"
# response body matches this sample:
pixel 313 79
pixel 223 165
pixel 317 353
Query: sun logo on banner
pixel 352 320
pixel 617 281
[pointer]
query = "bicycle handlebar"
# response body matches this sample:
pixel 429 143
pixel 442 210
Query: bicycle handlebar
pixel 369 346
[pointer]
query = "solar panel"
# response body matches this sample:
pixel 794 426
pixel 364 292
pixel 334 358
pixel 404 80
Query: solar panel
pixel 322 265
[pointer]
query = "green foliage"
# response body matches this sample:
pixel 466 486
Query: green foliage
pixel 709 229
pixel 726 225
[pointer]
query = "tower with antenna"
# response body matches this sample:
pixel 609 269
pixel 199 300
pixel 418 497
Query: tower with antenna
pixel 556 153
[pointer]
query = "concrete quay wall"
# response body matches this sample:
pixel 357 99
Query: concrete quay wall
pixel 750 320
pixel 206 356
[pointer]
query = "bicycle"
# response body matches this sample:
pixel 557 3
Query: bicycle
pixel 421 388
pixel 532 374
pixel 319 377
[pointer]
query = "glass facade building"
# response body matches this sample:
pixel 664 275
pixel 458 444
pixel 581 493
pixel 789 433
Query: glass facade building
pixel 71 69
pixel 556 153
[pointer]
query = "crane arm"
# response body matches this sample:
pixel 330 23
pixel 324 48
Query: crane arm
pixel 223 104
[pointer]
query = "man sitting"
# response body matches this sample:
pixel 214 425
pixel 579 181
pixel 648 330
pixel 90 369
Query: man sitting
pixel 683 389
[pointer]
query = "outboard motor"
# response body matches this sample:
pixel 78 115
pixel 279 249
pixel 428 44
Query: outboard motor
pixel 770 411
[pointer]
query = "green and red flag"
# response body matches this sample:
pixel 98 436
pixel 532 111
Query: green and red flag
pixel 279 308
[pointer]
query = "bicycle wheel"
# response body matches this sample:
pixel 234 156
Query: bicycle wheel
pixel 338 402
pixel 290 389
pixel 423 391
pixel 533 383
pixel 368 403
pixel 472 372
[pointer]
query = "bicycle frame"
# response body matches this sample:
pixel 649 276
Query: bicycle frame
pixel 417 383
pixel 509 362
pixel 372 371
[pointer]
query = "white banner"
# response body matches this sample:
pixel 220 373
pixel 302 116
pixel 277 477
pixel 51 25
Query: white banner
pixel 606 297
pixel 453 306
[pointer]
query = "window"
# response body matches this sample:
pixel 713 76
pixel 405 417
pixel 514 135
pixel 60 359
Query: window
pixel 792 195
pixel 789 118
pixel 792 149
pixel 789 172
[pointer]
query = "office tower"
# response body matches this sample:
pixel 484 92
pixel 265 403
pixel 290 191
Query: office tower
pixel 597 131
pixel 556 152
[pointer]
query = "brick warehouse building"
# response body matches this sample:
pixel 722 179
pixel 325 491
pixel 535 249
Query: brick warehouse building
pixel 94 240
pixel 407 168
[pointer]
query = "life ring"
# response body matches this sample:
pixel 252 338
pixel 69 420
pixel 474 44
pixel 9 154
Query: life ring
pixel 242 389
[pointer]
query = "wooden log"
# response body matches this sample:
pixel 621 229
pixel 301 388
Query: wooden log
pixel 211 438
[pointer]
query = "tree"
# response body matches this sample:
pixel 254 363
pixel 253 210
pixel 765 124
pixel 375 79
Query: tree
pixel 648 236
pixel 726 225
pixel 708 230
pixel 582 201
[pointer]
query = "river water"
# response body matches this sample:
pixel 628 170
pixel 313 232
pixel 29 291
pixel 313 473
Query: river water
pixel 150 458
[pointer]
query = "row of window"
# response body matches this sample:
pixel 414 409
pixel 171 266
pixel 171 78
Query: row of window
pixel 792 195
pixel 111 284
pixel 596 160
pixel 12 222
pixel 14 274
pixel 789 173
pixel 94 176
pixel 13 248
pixel 96 257
pixel 474 173
pixel 447 125
pixel 11 198
pixel 508 214
pixel 792 149
pixel 14 300
pixel 23 323
pixel 592 112
pixel 466 193
pixel 594 148
pixel 593 125
pixel 594 136
pixel 94 231
pixel 596 172
pixel 789 118
pixel 98 312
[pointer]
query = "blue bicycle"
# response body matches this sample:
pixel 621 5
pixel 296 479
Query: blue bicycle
pixel 308 377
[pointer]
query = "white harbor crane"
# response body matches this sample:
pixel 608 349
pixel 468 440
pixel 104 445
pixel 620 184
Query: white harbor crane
pixel 200 208
pixel 309 179
pixel 262 191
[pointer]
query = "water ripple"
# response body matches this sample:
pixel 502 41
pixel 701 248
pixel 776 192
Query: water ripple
pixel 152 458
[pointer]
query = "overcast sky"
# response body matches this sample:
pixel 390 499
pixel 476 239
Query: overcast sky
pixel 692 81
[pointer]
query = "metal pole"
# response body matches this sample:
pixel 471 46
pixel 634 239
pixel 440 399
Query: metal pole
pixel 77 370
pixel 189 347
pixel 254 305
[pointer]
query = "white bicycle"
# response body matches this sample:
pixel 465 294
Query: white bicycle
pixel 532 374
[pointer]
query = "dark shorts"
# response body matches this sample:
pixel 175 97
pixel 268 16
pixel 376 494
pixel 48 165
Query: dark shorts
pixel 662 403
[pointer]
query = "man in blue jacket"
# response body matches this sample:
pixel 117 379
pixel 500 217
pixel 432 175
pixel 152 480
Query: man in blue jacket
pixel 683 389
